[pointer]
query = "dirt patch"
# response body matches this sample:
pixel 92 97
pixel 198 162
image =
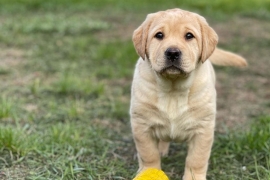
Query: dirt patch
pixel 121 26
pixel 10 57
pixel 18 172
pixel 12 61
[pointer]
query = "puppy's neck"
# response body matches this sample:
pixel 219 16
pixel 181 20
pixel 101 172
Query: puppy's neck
pixel 178 84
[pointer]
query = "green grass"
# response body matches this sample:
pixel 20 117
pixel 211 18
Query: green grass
pixel 7 107
pixel 247 152
pixel 65 88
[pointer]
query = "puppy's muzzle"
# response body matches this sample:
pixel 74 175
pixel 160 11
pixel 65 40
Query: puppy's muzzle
pixel 172 57
pixel 173 54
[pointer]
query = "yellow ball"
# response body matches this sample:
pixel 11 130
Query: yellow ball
pixel 151 174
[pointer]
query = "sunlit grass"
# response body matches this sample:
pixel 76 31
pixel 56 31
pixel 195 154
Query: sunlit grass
pixel 6 107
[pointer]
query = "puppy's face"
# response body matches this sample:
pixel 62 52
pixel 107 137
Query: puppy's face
pixel 174 41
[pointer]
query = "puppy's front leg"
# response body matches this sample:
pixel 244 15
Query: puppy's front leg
pixel 147 147
pixel 198 155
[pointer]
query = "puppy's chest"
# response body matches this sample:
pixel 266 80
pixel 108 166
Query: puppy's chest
pixel 172 105
pixel 176 121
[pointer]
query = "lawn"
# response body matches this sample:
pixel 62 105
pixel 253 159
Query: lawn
pixel 65 73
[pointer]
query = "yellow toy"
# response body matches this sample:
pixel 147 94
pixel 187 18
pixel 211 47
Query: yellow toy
pixel 151 174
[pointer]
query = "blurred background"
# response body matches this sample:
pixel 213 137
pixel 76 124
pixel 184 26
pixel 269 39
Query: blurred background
pixel 65 73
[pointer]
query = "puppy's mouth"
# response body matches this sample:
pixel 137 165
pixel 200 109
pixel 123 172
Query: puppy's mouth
pixel 173 71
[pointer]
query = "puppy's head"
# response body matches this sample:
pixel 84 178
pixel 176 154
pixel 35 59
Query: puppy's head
pixel 174 41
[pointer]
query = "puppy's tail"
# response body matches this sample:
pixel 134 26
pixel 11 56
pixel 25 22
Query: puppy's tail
pixel 225 58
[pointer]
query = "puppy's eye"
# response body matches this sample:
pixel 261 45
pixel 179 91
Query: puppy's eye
pixel 159 35
pixel 189 36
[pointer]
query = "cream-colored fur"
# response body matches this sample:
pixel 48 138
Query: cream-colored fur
pixel 176 101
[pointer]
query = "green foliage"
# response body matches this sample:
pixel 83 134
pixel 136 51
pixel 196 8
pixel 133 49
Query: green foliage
pixel 255 140
pixel 8 138
pixel 50 23
pixel 6 107
pixel 15 140
pixel 247 152
pixel 68 84
pixel 4 71
pixel 224 6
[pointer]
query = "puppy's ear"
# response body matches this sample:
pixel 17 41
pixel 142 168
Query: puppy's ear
pixel 140 36
pixel 209 39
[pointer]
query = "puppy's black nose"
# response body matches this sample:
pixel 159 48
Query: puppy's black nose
pixel 172 54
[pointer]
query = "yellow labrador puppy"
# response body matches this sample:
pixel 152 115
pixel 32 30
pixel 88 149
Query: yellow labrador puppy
pixel 173 90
